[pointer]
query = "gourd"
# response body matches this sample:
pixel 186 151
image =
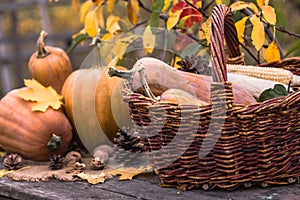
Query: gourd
pixel 93 102
pixel 49 65
pixel 33 134
pixel 161 77
pixel 180 97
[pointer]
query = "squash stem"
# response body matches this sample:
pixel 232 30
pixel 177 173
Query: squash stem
pixel 125 74
pixel 128 75
pixel 54 143
pixel 41 50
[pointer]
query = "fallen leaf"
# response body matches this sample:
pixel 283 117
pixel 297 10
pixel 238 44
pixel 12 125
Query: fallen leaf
pixel 3 172
pixel 43 96
pixel 129 173
pixel 2 153
pixel 272 52
pixel 258 32
pixel 93 178
pixel 133 11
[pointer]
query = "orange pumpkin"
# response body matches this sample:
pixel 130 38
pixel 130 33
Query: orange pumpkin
pixel 34 135
pixel 93 102
pixel 49 65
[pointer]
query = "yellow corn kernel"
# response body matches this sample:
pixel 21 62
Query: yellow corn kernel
pixel 268 73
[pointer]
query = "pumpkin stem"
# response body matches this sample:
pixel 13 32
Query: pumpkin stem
pixel 54 142
pixel 42 52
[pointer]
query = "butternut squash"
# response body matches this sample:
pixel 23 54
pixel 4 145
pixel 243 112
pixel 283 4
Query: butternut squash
pixel 161 77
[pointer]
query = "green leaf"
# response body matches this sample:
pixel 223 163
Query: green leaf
pixel 78 39
pixel 278 91
pixel 156 9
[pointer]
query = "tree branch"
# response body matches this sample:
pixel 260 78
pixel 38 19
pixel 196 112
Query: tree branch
pixel 282 29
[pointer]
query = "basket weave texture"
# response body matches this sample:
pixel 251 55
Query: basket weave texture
pixel 222 144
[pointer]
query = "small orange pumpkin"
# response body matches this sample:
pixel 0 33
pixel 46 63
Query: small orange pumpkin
pixel 34 135
pixel 49 65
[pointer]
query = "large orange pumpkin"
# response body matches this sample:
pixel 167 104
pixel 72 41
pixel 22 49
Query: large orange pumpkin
pixel 33 134
pixel 93 102
pixel 49 65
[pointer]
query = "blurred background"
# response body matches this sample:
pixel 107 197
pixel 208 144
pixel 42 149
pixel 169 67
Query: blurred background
pixel 22 20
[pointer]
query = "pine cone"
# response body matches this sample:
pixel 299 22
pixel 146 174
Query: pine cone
pixel 13 161
pixel 128 140
pixel 195 64
pixel 56 162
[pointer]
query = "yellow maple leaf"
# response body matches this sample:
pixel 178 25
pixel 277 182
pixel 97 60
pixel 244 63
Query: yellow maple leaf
pixel 2 153
pixel 43 96
pixel 3 172
pixel 93 178
pixel 240 27
pixel 133 11
pixel 258 32
pixel 84 9
pixel 112 24
pixel 148 40
pixel 272 52
pixel 129 173
pixel 110 5
pixel 91 23
pixel 269 14
pixel 173 18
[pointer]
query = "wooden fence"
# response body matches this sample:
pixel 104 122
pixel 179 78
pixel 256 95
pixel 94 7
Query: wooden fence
pixel 15 49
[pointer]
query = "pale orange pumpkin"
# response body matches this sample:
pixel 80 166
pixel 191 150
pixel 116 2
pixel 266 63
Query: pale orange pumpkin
pixel 93 102
pixel 49 65
pixel 33 134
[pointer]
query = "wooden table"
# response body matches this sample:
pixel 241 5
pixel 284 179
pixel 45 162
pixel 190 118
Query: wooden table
pixel 145 186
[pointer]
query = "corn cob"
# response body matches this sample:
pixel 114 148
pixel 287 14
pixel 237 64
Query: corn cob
pixel 267 73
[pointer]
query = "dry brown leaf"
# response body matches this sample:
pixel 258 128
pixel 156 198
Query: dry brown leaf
pixel 43 96
pixel 129 173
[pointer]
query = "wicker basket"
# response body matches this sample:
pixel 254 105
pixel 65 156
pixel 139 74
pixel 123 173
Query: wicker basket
pixel 222 144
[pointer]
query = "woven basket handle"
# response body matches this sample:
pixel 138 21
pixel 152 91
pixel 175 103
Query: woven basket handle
pixel 222 26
